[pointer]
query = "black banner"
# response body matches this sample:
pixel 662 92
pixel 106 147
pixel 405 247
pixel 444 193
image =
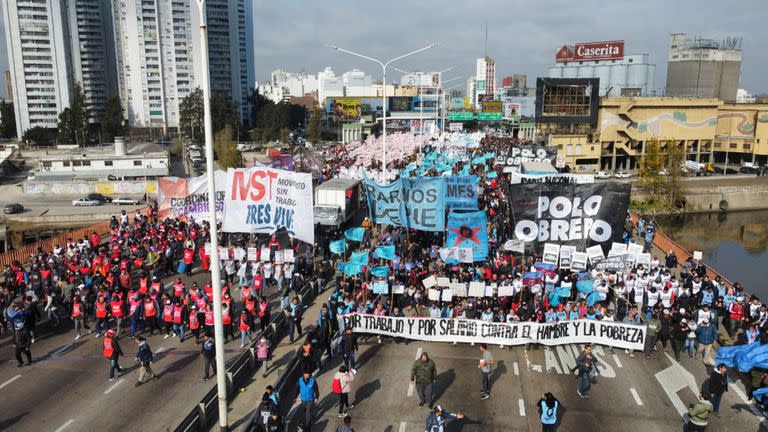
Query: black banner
pixel 579 215
pixel 516 154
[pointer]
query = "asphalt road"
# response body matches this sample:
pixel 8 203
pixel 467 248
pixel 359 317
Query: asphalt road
pixel 627 396
pixel 67 388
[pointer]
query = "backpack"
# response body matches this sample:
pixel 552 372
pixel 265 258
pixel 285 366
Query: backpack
pixel 336 386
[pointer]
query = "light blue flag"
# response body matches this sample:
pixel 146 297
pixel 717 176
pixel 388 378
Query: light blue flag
pixel 728 354
pixel 359 258
pixel 380 271
pixel 338 246
pixel 355 234
pixel 584 286
pixel 562 291
pixel 492 175
pixel 386 252
pixel 352 269
pixel 489 155
pixel 478 160
pixel 593 298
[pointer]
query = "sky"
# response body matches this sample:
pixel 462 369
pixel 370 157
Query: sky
pixel 523 36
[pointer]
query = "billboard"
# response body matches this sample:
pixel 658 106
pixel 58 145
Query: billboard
pixel 519 105
pixel 567 100
pixel 427 103
pixel 492 106
pixel 480 86
pixel 457 103
pixel 347 109
pixel 591 51
pixel 400 103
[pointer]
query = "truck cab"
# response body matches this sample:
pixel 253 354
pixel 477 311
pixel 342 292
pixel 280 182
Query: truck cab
pixel 336 202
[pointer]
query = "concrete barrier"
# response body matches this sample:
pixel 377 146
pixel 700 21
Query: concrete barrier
pixel 82 187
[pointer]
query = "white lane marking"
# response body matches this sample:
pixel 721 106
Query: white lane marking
pixel 60 350
pixel 743 397
pixel 114 386
pixel 673 379
pixel 636 396
pixel 65 425
pixel 411 386
pixel 521 405
pixel 402 426
pixel 516 368
pixel 617 361
pixel 3 385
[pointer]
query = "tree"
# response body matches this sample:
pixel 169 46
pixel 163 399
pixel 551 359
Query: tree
pixel 226 149
pixel 73 120
pixel 224 112
pixel 38 135
pixel 284 135
pixel 7 120
pixel 314 133
pixel 191 115
pixel 650 166
pixel 673 188
pixel 112 120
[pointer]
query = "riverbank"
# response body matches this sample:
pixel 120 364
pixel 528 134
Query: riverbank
pixel 710 195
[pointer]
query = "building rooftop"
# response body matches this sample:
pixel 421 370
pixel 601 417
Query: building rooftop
pixel 105 152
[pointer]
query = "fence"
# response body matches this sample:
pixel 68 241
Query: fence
pixel 240 368
pixel 23 253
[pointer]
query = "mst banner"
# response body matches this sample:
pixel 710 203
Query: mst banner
pixel 578 215
pixel 261 200
pixel 466 331
pixel 188 198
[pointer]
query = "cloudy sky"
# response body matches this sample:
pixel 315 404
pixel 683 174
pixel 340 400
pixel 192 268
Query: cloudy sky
pixel 522 36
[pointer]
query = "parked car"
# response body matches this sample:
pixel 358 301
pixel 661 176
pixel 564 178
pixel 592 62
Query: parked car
pixel 13 208
pixel 99 197
pixel 663 172
pixel 85 201
pixel 602 175
pixel 622 174
pixel 125 201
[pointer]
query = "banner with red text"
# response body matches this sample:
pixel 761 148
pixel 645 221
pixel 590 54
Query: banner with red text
pixel 188 198
pixel 261 200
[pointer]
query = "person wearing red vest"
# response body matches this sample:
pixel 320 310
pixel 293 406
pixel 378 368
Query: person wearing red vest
pixel 189 257
pixel 208 320
pixel 258 283
pixel 116 310
pixel 194 323
pixel 245 293
pixel 156 285
pixel 101 315
pixel 226 319
pixel 179 313
pixel 143 284
pixel 178 288
pixel 205 260
pixel 112 352
pixel 150 315
pixel 249 305
pixel 245 328
pixel 168 318
pixel 77 315
pixel 263 313
pixel 136 313
pixel 125 280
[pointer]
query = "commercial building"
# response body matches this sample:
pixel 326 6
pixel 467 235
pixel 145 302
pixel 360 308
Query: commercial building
pixel 93 52
pixel 119 162
pixel 8 86
pixel 472 89
pixel 741 134
pixel 619 74
pixel 39 52
pixel 284 86
pixel 703 68
pixel 485 79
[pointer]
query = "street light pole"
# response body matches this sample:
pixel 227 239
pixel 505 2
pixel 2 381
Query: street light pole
pixel 383 92
pixel 218 326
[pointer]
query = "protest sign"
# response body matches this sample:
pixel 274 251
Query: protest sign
pixel 459 289
pixel 514 246
pixel 461 192
pixel 506 290
pixel 223 253
pixel 288 254
pixel 578 261
pixel 253 254
pixel 580 215
pixel 433 294
pixel 698 255
pixel 449 254
pixel 265 254
pixel 188 198
pixel 429 282
pixel 617 249
pixel 517 178
pixel 566 252
pixel 513 158
pixel 615 262
pixel 447 295
pixel 261 200
pixel 468 230
pixel 644 259
pixel 380 288
pixel 398 289
pixel 238 254
pixel 466 255
pixel 551 253
pixel 279 257
pixel 634 248
pixel 443 281
pixel 595 254
pixel 476 289
pixel 579 331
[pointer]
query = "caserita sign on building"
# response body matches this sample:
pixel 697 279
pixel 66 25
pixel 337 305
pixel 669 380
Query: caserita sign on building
pixel 607 50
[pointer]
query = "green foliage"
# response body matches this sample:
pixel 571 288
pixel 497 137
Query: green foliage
pixel 112 120
pixel 224 112
pixel 270 118
pixel 226 149
pixel 191 115
pixel 38 136
pixel 314 133
pixel 7 120
pixel 664 190
pixel 73 120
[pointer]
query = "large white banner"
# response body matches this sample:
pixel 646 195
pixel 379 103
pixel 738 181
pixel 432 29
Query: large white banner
pixel 188 198
pixel 465 330
pixel 517 178
pixel 261 200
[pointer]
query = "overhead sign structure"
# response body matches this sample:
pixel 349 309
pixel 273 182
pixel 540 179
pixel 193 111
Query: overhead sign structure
pixel 491 116
pixel 590 51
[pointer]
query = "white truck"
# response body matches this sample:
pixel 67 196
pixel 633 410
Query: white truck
pixel 336 202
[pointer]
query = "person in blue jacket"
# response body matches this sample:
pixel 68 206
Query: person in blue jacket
pixel 548 409
pixel 309 395
pixel 438 418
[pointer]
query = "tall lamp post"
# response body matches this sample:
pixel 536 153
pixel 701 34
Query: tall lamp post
pixel 218 326
pixel 383 92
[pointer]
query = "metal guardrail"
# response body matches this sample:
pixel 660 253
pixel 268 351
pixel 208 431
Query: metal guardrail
pixel 241 367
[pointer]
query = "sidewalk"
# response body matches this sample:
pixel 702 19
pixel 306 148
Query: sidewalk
pixel 245 399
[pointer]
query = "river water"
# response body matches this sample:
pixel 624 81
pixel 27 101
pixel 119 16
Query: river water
pixel 735 244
